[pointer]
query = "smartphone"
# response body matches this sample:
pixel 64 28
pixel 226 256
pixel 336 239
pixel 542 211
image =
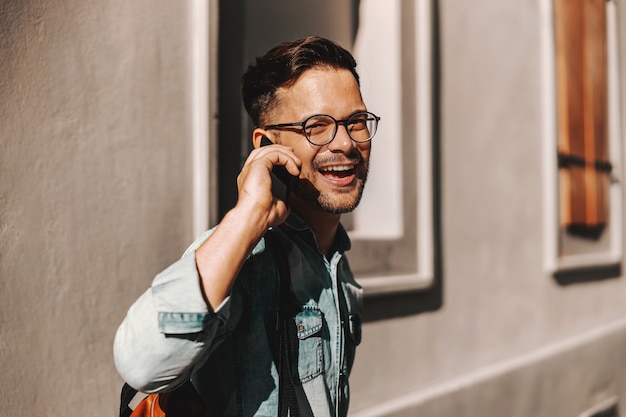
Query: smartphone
pixel 281 178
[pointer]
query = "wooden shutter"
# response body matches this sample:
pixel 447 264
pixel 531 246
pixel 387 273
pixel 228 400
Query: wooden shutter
pixel 581 65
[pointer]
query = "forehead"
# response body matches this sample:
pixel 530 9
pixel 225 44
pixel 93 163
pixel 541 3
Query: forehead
pixel 319 91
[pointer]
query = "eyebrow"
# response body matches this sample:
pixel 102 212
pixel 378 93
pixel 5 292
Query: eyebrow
pixel 362 110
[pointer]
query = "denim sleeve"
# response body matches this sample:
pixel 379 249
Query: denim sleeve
pixel 168 331
pixel 178 300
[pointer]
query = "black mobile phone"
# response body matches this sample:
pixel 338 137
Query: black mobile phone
pixel 281 178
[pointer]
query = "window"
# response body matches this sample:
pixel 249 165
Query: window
pixel 588 218
pixel 392 230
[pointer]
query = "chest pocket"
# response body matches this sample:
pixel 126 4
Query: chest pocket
pixel 310 355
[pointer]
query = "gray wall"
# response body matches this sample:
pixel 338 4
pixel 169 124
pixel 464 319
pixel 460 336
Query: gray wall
pixel 508 340
pixel 95 188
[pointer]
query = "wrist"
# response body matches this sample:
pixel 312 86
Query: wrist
pixel 249 219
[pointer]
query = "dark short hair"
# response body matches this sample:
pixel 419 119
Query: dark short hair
pixel 283 65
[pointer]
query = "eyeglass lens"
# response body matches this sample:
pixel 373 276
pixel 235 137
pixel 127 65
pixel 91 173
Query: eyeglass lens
pixel 321 129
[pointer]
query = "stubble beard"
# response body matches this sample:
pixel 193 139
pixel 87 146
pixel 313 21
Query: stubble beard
pixel 335 203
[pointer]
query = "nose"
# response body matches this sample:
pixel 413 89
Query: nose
pixel 342 141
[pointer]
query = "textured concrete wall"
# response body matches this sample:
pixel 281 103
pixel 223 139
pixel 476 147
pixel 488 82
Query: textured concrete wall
pixel 95 192
pixel 563 380
pixel 500 305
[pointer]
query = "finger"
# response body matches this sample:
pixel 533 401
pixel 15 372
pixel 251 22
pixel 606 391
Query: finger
pixel 277 155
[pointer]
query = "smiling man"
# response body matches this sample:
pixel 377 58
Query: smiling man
pixel 216 316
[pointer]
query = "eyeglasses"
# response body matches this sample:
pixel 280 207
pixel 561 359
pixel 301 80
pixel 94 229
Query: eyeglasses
pixel 320 129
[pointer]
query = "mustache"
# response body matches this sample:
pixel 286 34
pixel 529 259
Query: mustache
pixel 354 156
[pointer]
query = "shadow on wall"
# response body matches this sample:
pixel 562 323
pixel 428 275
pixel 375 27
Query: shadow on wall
pixel 595 273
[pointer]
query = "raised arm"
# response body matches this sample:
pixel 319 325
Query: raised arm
pixel 221 256
pixel 169 330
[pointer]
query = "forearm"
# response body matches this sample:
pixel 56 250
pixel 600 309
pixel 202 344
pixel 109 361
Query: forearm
pixel 220 257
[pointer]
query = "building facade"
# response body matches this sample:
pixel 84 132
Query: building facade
pixel 489 242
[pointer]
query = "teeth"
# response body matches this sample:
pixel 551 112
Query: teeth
pixel 337 168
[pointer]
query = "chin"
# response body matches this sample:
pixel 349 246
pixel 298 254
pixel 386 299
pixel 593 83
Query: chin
pixel 331 202
pixel 337 210
pixel 340 204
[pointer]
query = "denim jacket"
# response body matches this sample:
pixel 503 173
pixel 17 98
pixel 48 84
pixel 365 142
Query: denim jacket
pixel 169 334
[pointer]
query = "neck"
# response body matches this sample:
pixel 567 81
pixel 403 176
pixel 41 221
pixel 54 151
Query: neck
pixel 323 225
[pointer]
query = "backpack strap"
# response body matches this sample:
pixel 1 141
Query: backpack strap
pixel 126 397
pixel 288 345
pixel 182 401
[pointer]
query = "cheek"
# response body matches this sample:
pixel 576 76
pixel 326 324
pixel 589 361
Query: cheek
pixel 365 148
pixel 308 159
pixel 302 149
pixel 309 166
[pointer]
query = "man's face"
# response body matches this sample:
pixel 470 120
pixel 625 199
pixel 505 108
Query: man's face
pixel 332 176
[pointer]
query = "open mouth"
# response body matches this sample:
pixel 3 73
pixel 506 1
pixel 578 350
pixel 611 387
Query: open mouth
pixel 338 174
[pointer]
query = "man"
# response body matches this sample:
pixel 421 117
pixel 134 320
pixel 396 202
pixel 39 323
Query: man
pixel 212 316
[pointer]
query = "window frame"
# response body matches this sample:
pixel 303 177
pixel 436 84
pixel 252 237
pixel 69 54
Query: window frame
pixel 423 276
pixel 203 35
pixel 555 263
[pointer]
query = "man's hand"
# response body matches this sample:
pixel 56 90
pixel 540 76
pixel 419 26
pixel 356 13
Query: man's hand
pixel 255 184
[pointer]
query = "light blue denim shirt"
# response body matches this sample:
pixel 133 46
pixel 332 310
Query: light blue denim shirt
pixel 169 335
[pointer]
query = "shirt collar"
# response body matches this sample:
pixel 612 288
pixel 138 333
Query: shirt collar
pixel 295 223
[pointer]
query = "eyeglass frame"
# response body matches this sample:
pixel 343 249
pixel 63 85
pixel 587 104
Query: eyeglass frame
pixel 301 125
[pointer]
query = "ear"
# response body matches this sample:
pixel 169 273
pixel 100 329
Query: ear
pixel 258 134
